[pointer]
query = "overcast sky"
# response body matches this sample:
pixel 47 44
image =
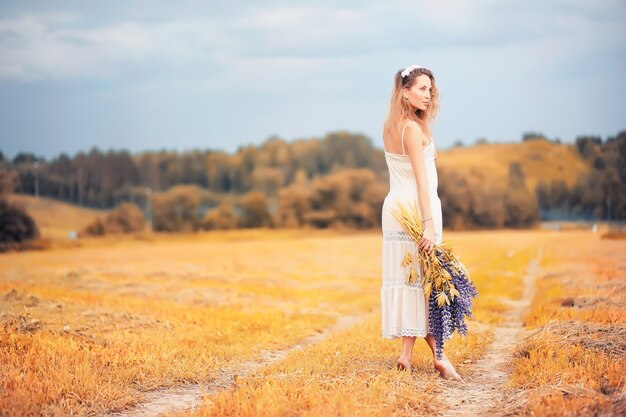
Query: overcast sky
pixel 196 74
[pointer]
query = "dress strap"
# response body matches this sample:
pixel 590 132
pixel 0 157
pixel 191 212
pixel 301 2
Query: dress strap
pixel 407 123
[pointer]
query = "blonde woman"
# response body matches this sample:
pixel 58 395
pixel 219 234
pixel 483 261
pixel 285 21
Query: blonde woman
pixel 410 154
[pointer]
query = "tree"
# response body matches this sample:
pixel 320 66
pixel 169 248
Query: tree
pixel 348 198
pixel 520 205
pixel 176 209
pixel 254 210
pixel 527 136
pixel 589 146
pixel 8 179
pixel 267 180
pixel 126 218
pixel 26 158
pixel 16 225
pixel 223 217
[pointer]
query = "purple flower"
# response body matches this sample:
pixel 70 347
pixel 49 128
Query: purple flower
pixel 444 320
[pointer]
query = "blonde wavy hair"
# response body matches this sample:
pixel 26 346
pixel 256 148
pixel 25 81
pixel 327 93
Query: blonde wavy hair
pixel 400 110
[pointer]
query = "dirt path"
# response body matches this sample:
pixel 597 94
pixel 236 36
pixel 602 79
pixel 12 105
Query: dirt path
pixel 475 397
pixel 483 388
pixel 187 398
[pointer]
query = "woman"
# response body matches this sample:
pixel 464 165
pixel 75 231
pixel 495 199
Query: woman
pixel 410 155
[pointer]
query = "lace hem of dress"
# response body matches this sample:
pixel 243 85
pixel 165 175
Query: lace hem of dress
pixel 397 236
pixel 401 283
pixel 398 332
pixel 402 236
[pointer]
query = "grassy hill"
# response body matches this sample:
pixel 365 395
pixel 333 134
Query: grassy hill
pixel 56 219
pixel 539 160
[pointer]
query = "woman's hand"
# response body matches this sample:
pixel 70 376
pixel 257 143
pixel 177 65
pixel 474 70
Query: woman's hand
pixel 428 238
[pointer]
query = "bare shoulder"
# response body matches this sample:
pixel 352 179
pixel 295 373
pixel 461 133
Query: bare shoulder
pixel 412 125
pixel 415 134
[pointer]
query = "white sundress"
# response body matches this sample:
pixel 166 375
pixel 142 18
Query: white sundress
pixel 404 306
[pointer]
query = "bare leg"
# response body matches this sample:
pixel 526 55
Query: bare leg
pixel 444 366
pixel 404 361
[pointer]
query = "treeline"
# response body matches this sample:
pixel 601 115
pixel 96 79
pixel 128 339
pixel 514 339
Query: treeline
pixel 346 198
pixel 598 194
pixel 336 181
pixel 104 179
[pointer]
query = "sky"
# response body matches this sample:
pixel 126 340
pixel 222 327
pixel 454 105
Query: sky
pixel 151 75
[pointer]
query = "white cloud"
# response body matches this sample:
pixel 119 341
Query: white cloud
pixel 284 40
pixel 36 47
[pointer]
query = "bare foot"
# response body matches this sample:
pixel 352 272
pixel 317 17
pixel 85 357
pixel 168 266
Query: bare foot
pixel 446 369
pixel 403 364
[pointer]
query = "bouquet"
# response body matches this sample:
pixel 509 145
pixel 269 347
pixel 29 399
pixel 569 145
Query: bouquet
pixel 446 281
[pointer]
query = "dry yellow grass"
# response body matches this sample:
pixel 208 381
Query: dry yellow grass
pixel 573 363
pixel 348 374
pixel 87 330
pixel 351 373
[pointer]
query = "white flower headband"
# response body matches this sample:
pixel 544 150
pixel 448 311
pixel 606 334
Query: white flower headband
pixel 410 68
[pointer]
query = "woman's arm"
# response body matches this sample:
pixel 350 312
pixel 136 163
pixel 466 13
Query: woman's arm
pixel 414 139
pixel 415 148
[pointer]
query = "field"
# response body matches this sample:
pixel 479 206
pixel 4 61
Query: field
pixel 287 323
pixel 56 219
